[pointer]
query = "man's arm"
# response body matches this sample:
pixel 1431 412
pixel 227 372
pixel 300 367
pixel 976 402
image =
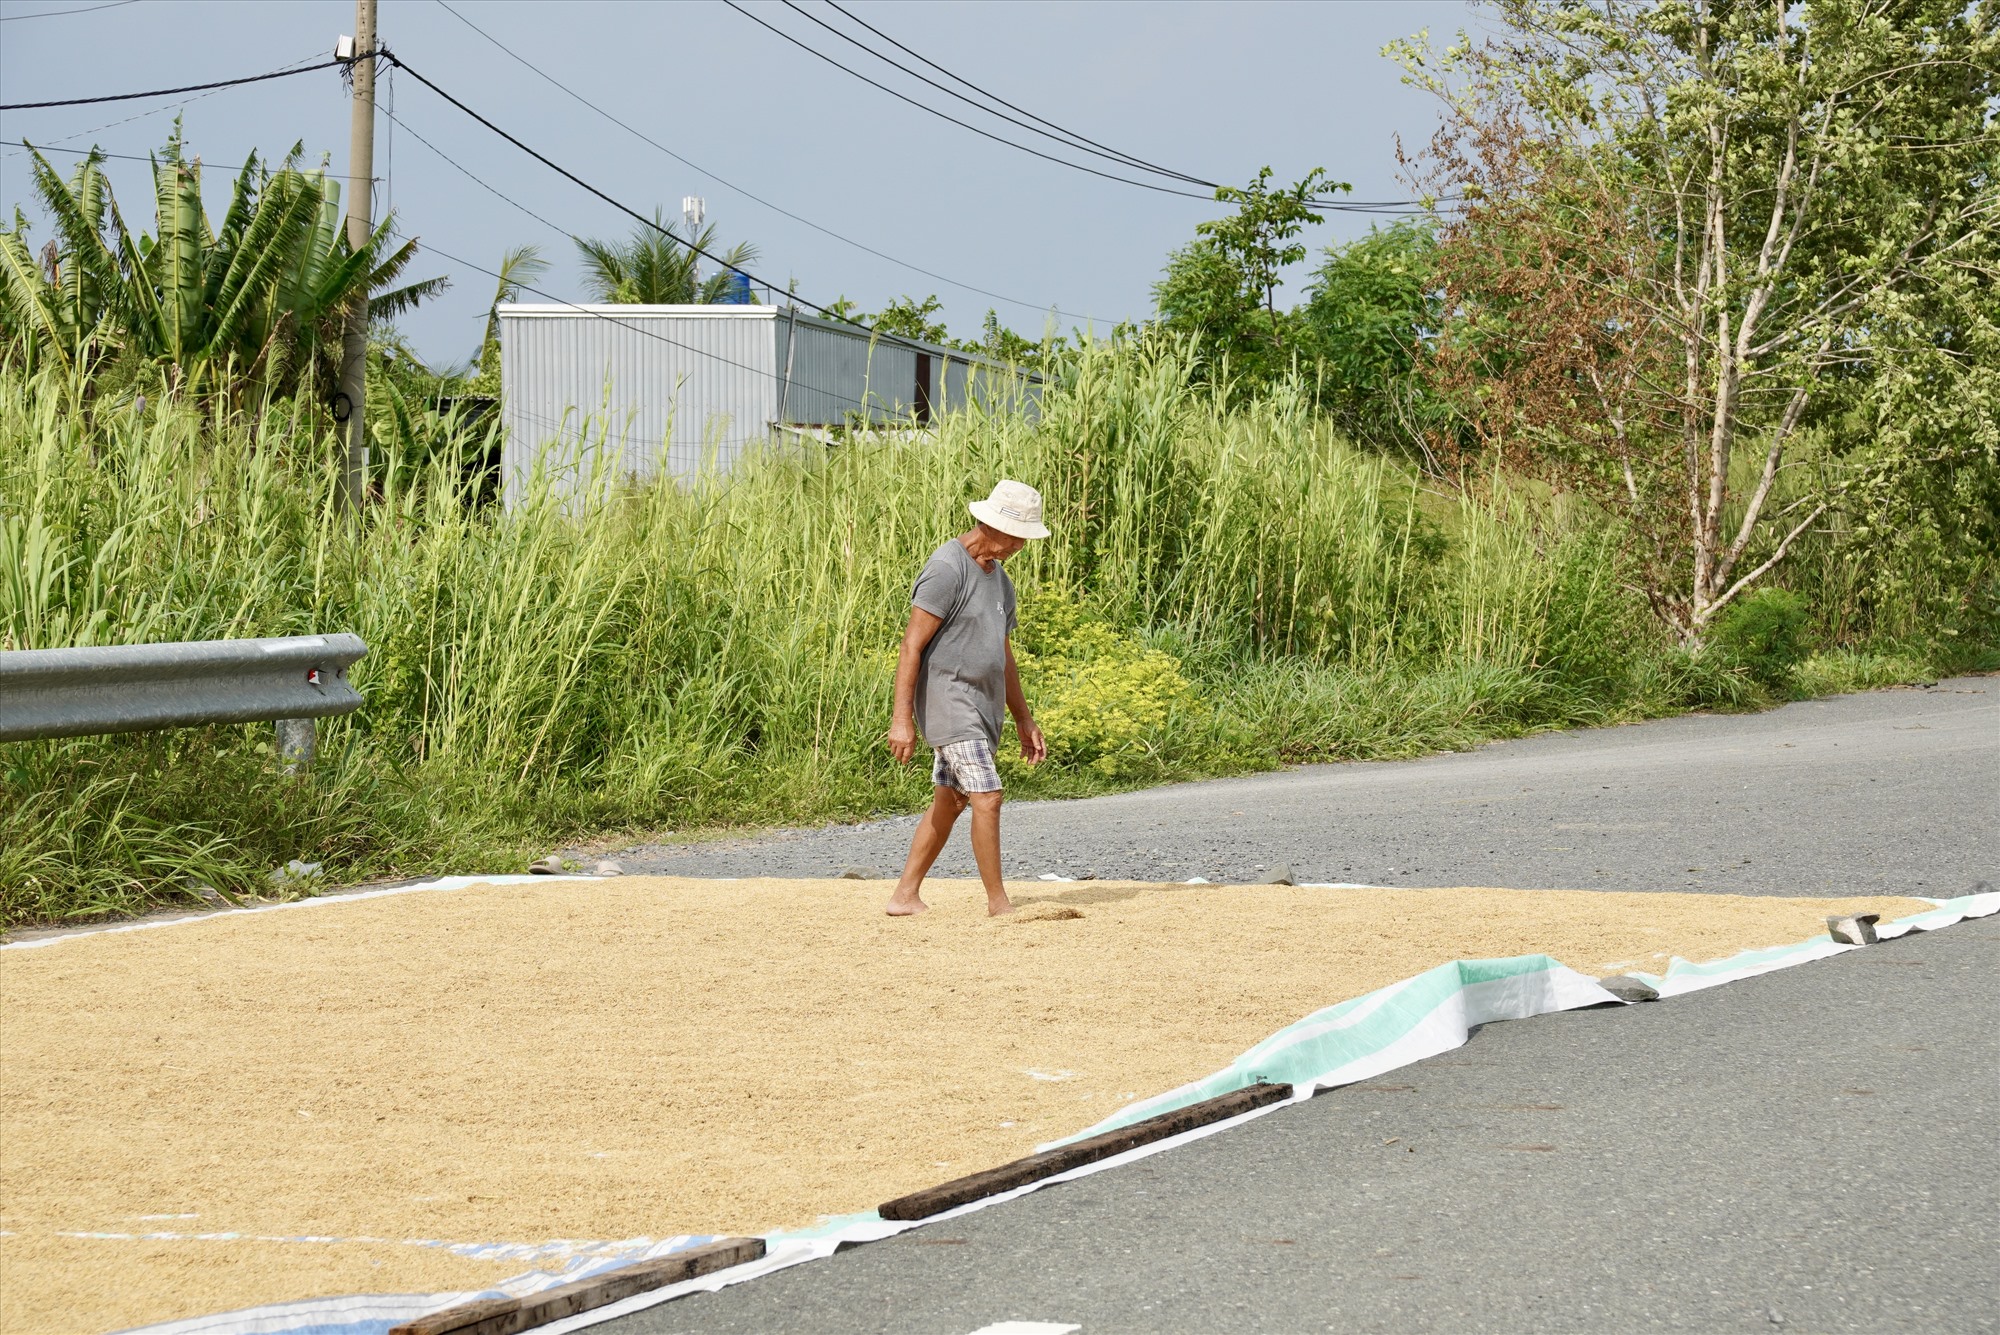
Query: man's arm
pixel 1033 748
pixel 903 718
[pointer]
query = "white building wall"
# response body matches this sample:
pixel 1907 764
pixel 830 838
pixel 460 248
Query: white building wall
pixel 660 388
pixel 638 391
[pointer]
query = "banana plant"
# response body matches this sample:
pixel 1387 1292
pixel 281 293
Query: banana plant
pixel 257 302
pixel 55 304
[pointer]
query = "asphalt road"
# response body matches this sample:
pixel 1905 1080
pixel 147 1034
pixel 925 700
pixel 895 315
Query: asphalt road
pixel 1811 1150
pixel 1891 792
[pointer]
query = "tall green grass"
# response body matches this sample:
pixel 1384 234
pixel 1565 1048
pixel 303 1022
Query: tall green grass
pixel 1227 588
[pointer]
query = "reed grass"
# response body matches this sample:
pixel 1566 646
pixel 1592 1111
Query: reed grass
pixel 1237 584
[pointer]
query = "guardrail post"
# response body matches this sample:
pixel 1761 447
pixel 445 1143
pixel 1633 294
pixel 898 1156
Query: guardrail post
pixel 298 744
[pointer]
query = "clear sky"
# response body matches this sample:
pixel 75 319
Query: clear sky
pixel 1213 90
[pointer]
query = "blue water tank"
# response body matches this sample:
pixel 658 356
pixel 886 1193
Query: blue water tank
pixel 736 291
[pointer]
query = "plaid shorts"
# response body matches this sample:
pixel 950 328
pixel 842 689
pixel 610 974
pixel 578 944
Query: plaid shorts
pixel 967 766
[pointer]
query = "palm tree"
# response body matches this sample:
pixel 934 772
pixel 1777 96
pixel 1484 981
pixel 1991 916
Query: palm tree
pixel 656 267
pixel 519 268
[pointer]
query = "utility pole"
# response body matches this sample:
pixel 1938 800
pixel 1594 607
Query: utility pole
pixel 353 395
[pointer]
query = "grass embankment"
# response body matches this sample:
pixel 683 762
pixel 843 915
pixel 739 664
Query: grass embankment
pixel 1226 590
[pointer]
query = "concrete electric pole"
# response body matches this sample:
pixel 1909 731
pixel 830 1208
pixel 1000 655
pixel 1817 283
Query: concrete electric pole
pixel 353 395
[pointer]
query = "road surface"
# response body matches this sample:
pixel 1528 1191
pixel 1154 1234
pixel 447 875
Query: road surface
pixel 1811 1150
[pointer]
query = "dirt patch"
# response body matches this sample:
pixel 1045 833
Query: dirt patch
pixel 652 1056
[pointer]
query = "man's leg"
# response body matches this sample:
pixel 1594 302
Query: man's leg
pixel 925 845
pixel 986 849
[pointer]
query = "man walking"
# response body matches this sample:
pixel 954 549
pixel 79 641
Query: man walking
pixel 953 675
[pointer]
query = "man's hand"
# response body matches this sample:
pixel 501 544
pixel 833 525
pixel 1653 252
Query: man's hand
pixel 1033 748
pixel 909 659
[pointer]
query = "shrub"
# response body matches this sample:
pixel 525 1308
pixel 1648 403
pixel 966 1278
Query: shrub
pixel 1764 633
pixel 1682 678
pixel 1103 697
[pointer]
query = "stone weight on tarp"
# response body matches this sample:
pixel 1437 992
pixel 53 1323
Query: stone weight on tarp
pixel 1627 988
pixel 1858 930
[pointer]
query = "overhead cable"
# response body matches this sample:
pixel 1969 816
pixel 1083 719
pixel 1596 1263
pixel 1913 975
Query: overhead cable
pixel 137 116
pixel 167 92
pixel 130 157
pixel 755 198
pixel 77 152
pixel 1332 206
pixel 1112 155
pixel 467 173
pixel 631 324
pixel 941 115
pixel 639 217
pixel 995 97
pixel 64 13
pixel 1344 205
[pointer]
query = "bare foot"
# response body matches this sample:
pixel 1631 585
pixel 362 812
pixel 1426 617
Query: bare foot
pixel 899 907
pixel 996 907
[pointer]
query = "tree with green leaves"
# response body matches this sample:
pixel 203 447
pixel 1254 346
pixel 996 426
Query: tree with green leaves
pixel 1367 319
pixel 914 318
pixel 657 265
pixel 1258 240
pixel 1702 246
pixel 1002 344
pixel 255 301
pixel 1220 290
pixel 1203 298
pixel 907 317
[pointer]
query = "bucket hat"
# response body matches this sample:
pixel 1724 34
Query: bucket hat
pixel 1014 508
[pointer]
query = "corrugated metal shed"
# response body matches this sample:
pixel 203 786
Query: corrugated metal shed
pixel 677 389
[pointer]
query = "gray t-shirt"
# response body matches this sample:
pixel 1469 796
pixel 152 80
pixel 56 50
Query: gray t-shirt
pixel 962 682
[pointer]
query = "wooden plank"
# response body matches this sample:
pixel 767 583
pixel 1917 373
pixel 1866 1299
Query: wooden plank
pixel 936 1200
pixel 511 1316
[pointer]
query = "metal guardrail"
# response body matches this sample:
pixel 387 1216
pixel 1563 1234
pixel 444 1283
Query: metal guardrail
pixel 139 687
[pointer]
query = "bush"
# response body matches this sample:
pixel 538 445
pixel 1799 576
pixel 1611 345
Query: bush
pixel 1765 634
pixel 1102 697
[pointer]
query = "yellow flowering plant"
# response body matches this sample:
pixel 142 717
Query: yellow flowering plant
pixel 1103 698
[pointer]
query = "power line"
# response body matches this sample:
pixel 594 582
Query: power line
pixel 467 173
pixel 633 326
pixel 1112 155
pixel 641 218
pixel 77 152
pixel 60 13
pixel 967 125
pixel 587 310
pixel 1080 139
pixel 141 115
pixel 755 198
pixel 164 92
pixel 1345 205
pixel 1371 206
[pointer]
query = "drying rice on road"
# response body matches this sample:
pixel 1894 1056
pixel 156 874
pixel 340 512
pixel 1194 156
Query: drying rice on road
pixel 296 1102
